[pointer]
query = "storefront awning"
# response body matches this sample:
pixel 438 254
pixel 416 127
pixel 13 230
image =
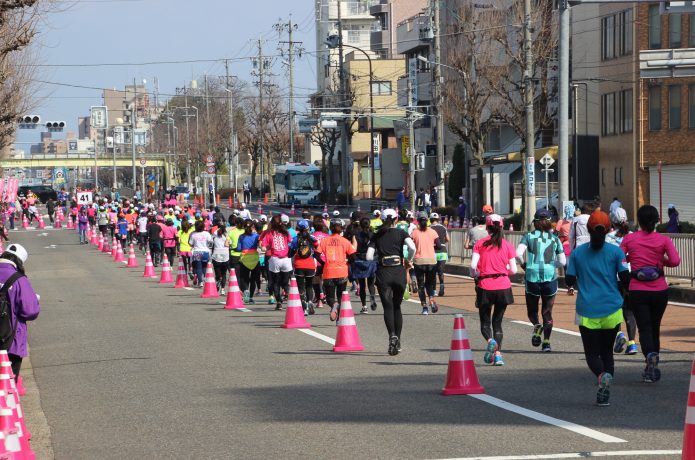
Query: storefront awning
pixel 538 153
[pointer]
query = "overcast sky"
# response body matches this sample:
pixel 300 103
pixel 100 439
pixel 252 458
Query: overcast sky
pixel 136 32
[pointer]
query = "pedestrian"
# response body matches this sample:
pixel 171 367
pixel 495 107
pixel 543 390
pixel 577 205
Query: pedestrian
pixel 461 211
pixel 615 204
pixel 247 192
pixel 615 237
pixel 82 222
pixel 336 251
pixel 220 255
pixel 154 237
pixel 420 200
pixel 276 242
pixel 200 242
pixel 648 252
pixel 183 236
pixel 400 199
pixel 425 262
pixel 361 269
pixel 386 248
pixel 494 259
pixel 477 232
pixel 441 254
pixel 427 200
pixel 434 197
pixel 23 302
pixel 544 254
pixel 594 268
pixel 169 240
pixel 142 230
pixel 579 233
pixel 50 209
pixel 303 247
pixel 249 262
pixel 674 224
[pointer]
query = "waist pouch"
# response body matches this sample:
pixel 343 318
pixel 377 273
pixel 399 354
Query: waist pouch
pixel 647 273
pixel 391 261
pixel 494 275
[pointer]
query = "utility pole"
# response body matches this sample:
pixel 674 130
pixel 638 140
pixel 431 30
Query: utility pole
pixel 290 27
pixel 188 138
pixel 438 80
pixel 261 133
pixel 231 151
pixel 411 145
pixel 207 124
pixel 345 180
pixel 563 106
pixel 530 157
pixel 133 126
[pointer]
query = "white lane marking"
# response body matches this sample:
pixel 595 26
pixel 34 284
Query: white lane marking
pixel 325 338
pixel 555 329
pixel 189 288
pixel 615 453
pixel 245 310
pixel 681 304
pixel 579 429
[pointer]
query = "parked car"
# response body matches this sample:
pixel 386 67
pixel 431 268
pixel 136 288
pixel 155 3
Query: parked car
pixel 554 204
pixel 42 192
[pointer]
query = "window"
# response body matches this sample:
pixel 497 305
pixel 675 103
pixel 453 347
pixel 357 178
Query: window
pixel 674 107
pixel 626 111
pixel 381 88
pixel 616 35
pixel 608 37
pixel 626 32
pixel 691 106
pixel 608 114
pixel 618 176
pixel 674 30
pixel 603 177
pixel 654 27
pixel 655 108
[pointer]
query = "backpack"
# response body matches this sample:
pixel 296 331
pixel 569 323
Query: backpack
pixel 305 247
pixel 7 329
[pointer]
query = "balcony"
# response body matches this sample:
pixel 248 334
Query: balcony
pixel 424 89
pixel 352 9
pixel 413 33
pixel 379 7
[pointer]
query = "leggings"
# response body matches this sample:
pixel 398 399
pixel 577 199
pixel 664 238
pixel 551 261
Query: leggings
pixel 171 255
pixel 247 279
pixel 280 281
pixel 16 362
pixel 426 280
pixel 220 273
pixel 366 283
pixel 649 308
pixel 304 279
pixel 334 287
pixel 440 271
pixel 546 312
pixel 156 252
pixel 598 349
pixel 492 327
pixel 630 323
pixel 187 263
pixel 318 287
pixel 391 283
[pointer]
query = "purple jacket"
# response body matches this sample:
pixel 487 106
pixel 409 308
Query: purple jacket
pixel 83 220
pixel 24 304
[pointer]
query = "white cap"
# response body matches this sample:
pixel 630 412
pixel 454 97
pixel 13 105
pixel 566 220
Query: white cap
pixel 235 212
pixel 390 213
pixel 263 218
pixel 434 215
pixel 18 250
pixel 284 218
pixel 377 212
pixel 336 213
pixel 671 206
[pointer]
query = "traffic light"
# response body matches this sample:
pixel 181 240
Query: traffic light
pixel 55 126
pixel 28 121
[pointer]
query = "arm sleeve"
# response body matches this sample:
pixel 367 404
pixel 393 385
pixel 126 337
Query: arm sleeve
pixel 474 263
pixel 411 248
pixel 673 258
pixel 561 260
pixel 520 250
pixel 512 266
pixel 370 253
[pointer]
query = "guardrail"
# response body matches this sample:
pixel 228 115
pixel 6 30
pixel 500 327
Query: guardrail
pixel 685 244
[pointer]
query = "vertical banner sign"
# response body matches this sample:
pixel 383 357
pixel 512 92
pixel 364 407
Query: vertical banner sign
pixel 405 145
pixel 531 175
pixel 412 76
pixel 98 117
pixel 376 145
pixel 59 176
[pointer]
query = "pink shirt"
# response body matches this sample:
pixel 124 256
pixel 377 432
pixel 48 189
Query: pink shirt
pixel 649 250
pixel 169 236
pixel 277 243
pixel 494 261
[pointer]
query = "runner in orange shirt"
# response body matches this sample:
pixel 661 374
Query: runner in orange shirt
pixel 336 251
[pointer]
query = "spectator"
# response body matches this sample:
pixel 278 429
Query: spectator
pixel 461 211
pixel 674 224
pixel 615 205
pixel 400 199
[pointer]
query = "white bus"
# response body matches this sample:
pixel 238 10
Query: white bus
pixel 297 183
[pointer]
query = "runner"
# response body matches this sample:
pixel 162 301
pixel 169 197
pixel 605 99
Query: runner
pixel 320 232
pixel 122 230
pixel 426 242
pixel 303 247
pixel 200 242
pixel 154 236
pixel 376 221
pixel 236 229
pixel 183 236
pixel 142 231
pixel 441 254
pixel 220 256
pixel 103 220
pixel 492 262
pixel 336 251
pixel 363 270
pixel 594 268
pixel 544 254
pixel 386 248
pixel 82 222
pixel 249 262
pixel 648 252
pixel 276 242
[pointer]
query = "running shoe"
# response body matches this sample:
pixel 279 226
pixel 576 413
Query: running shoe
pixel 413 286
pixel 306 312
pixel 490 351
pixel 631 348
pixel 536 337
pixel 620 341
pixel 435 307
pixel 334 313
pixel 604 389
pixel 400 348
pixel 441 290
pixel 498 361
pixel 546 346
pixel 222 291
pixel 652 373
pixel 373 305
pixel 393 346
pixel 357 291
pixel 251 301
pixel 278 307
pixel 271 300
pixel 310 307
pixel 425 311
pixel 246 296
pixel 319 304
pixel 364 310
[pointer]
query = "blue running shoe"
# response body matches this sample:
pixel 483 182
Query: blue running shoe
pixel 604 389
pixel 490 351
pixel 631 348
pixel 652 373
pixel 620 341
pixel 498 359
pixel 271 300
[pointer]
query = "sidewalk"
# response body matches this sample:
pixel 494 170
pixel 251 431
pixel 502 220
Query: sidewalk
pixel 677 330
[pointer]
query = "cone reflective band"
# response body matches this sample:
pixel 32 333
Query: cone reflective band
pixel 149 268
pixel 132 260
pixel 689 431
pixel 166 272
pixel 461 377
pixel 294 315
pixel 181 277
pixel 210 286
pixel 234 300
pixel 347 338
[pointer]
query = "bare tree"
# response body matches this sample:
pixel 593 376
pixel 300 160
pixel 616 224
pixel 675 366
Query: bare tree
pixel 326 140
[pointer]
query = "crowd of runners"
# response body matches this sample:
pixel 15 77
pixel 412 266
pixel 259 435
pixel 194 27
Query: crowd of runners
pixel 618 275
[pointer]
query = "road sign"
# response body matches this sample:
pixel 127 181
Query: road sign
pixel 211 170
pixel 210 159
pixel 84 197
pixel 547 160
pixel 531 176
pixel 98 117
pixel 143 162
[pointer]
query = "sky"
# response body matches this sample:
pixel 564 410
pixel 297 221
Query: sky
pixel 132 33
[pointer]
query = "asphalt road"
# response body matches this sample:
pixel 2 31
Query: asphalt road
pixel 128 368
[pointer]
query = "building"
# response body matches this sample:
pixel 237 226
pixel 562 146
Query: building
pixel 388 14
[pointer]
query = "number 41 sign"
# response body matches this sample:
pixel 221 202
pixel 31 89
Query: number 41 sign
pixel 84 197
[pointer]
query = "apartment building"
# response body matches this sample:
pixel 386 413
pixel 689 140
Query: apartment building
pixel 390 13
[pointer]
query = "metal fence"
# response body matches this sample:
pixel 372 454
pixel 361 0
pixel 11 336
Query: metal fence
pixel 685 244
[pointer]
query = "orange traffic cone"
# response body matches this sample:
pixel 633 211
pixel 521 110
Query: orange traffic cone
pixel 120 257
pixel 106 249
pixel 114 247
pixel 100 242
pixel 210 287
pixel 166 271
pixel 25 222
pixel 347 339
pixel 689 431
pixel 132 260
pixel 95 237
pixel 42 224
pixel 294 316
pixel 181 277
pixel 233 293
pixel 461 378
pixel 149 267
